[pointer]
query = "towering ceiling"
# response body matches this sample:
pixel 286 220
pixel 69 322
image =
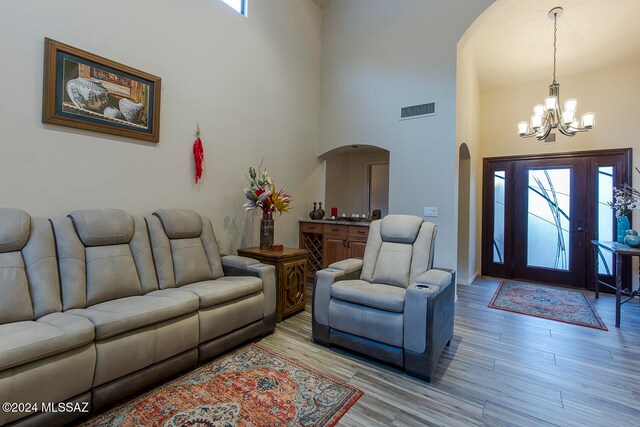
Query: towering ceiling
pixel 513 40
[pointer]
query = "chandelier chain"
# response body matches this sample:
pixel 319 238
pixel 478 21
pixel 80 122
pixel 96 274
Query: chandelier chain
pixel 555 40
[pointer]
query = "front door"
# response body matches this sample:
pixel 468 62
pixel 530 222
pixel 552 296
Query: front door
pixel 541 213
pixel 550 221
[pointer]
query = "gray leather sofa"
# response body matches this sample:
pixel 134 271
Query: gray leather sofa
pixel 92 311
pixel 45 355
pixel 392 305
pixel 236 295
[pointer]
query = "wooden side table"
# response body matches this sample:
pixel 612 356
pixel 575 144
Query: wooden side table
pixel 291 273
pixel 619 250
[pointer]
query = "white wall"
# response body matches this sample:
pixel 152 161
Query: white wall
pixel 379 56
pixel 253 84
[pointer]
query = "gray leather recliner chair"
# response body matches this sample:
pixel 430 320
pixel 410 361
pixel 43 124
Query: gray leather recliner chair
pixel 393 305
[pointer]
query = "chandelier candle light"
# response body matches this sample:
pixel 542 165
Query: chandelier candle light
pixel 548 116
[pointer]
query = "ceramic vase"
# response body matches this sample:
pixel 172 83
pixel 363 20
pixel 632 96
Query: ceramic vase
pixel 87 95
pixel 114 113
pixel 312 214
pixel 632 238
pixel 623 226
pixel 131 110
pixel 320 212
pixel 266 231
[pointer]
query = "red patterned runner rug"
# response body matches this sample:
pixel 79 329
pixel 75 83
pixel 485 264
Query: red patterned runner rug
pixel 549 303
pixel 250 387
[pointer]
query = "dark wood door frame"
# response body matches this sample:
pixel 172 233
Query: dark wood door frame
pixel 620 158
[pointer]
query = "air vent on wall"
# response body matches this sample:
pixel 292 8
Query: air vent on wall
pixel 417 111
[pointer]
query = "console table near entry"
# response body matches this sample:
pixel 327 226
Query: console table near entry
pixel 619 250
pixel 291 271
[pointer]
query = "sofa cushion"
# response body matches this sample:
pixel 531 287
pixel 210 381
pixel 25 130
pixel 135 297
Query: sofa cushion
pixel 55 333
pixel 224 289
pixel 101 227
pixel 14 229
pixel 393 264
pixel 383 297
pixel 400 228
pixel 180 223
pixel 111 273
pixel 190 261
pixel 126 314
pixel 15 299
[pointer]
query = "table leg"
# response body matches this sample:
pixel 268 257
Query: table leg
pixel 618 287
pixel 597 264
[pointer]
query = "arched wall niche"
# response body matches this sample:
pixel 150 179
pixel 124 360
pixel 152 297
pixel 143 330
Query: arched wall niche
pixel 357 179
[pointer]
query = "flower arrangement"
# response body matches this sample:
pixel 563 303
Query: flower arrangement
pixel 262 193
pixel 625 199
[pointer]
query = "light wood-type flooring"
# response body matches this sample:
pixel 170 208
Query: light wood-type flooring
pixel 502 369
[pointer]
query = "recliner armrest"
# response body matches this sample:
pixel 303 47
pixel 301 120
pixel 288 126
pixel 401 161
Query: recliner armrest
pixel 435 277
pixel 322 293
pixel 348 266
pixel 234 265
pixel 425 295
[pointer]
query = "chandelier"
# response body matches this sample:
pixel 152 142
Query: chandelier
pixel 548 116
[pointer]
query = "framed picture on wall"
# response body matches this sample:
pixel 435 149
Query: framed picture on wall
pixel 87 91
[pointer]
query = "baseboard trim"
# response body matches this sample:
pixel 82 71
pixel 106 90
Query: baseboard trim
pixel 470 281
pixel 474 277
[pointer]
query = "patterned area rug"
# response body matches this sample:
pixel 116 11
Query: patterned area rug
pixel 250 387
pixel 549 303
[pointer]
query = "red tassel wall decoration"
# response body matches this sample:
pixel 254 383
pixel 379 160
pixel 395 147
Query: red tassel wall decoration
pixel 198 154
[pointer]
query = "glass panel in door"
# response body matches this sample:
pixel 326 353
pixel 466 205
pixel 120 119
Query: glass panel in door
pixel 548 218
pixel 550 221
pixel 498 216
pixel 605 217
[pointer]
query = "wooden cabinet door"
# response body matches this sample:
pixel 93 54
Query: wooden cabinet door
pixel 357 247
pixel 334 248
pixel 292 287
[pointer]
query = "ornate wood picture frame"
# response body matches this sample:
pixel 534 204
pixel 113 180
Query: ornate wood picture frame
pixel 86 91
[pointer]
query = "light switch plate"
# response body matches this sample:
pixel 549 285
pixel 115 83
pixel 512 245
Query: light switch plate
pixel 430 211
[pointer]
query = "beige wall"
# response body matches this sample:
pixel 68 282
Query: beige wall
pixel 377 57
pixel 468 133
pixel 252 83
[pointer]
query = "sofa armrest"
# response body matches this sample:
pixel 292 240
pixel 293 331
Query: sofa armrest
pixel 431 294
pixel 234 265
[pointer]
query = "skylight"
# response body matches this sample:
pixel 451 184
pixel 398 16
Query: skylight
pixel 238 5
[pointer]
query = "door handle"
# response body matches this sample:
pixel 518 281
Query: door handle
pixel 580 229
